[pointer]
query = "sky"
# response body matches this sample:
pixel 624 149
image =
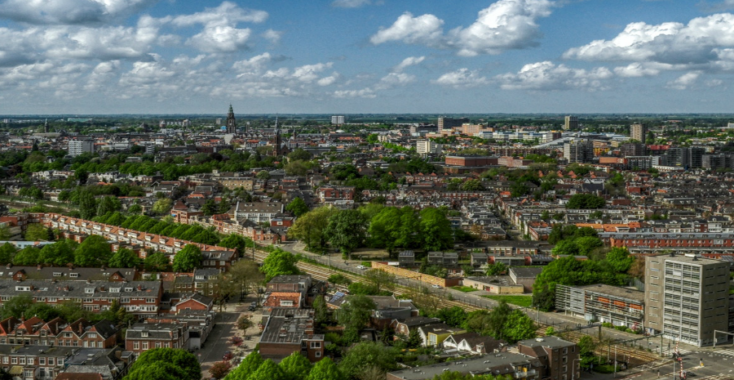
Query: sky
pixel 366 56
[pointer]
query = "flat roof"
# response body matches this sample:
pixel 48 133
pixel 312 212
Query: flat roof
pixel 615 291
pixel 505 362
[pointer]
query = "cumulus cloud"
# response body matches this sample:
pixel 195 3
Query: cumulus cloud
pixel 636 69
pixel 328 81
pixel 701 44
pixel 46 12
pixel 272 35
pixel 220 33
pixel 504 25
pixel 462 78
pixel 407 62
pixel 350 3
pixel 366 93
pixel 684 81
pixel 549 76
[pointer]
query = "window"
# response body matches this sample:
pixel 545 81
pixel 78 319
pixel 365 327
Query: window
pixel 318 354
pixel 286 303
pixel 5 360
pixel 315 344
pixel 157 344
pixel 13 360
pixel 73 275
pixel 60 361
pixel 150 300
pixel 30 361
pixel 42 361
pixel 145 345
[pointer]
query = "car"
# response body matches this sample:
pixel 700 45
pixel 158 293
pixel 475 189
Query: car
pixel 436 286
pixel 362 267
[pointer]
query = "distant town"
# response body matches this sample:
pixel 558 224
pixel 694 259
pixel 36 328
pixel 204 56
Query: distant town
pixel 339 247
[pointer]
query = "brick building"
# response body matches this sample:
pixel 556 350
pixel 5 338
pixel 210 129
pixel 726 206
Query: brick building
pixel 145 336
pixel 291 330
pixel 559 357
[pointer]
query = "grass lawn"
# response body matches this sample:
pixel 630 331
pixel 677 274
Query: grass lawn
pixel 524 301
pixel 465 289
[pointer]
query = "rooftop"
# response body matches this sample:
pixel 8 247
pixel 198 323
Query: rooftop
pixel 496 364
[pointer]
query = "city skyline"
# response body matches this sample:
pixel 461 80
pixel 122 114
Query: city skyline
pixel 365 56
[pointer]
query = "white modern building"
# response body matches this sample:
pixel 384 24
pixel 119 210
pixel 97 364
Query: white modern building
pixel 78 147
pixel 425 147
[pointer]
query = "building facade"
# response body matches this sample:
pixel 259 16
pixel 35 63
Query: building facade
pixel 603 303
pixel 79 147
pixel 638 132
pixel 571 123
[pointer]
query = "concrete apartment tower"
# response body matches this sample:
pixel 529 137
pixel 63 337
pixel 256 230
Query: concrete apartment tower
pixel 638 132
pixel 687 298
pixel 571 124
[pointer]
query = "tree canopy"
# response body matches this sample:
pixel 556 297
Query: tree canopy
pixel 279 263
pixel 187 259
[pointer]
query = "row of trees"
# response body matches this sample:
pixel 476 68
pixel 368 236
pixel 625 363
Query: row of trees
pixel 374 226
pixel 501 322
pixel 293 367
pixel 164 227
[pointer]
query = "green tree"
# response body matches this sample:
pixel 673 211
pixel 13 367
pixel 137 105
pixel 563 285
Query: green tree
pixel 27 256
pixel 300 155
pixel 16 306
pixel 320 310
pixel 346 230
pixel 310 228
pixel 296 168
pixel 235 241
pixel 186 362
pixel 87 204
pixel 108 205
pixel 496 269
pixel 60 253
pixel 134 209
pixel 162 206
pixel 36 232
pixel 93 251
pixel 355 312
pixel 279 263
pixel 295 366
pixel 210 207
pixel 124 258
pixel 498 318
pixel 268 371
pixel 187 259
pixel 585 202
pixel 325 369
pixel 435 229
pixel 365 355
pixel 247 367
pixel 157 262
pixel 158 371
pixel 620 259
pixel 7 251
pixel 43 311
pixel 380 280
pixel 472 185
pixel 385 229
pixel 297 206
pixel 263 175
pixel 336 279
pixel 518 327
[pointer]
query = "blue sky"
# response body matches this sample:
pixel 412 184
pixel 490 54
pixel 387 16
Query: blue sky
pixel 366 56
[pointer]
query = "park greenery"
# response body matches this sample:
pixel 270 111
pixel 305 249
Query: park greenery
pixel 165 364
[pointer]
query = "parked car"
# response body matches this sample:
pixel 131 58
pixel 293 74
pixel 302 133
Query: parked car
pixel 253 306
pixel 361 267
pixel 436 286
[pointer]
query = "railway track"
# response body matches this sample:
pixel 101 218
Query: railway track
pixel 633 356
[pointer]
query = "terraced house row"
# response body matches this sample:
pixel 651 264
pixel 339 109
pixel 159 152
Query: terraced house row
pixel 78 229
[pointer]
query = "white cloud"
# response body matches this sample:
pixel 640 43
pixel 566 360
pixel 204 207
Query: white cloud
pixel 548 76
pixel 504 25
pixel 702 44
pixel 462 78
pixel 309 73
pixel 426 29
pixel 684 81
pixel 46 12
pixel 366 93
pixel 636 69
pixel 220 33
pixel 328 81
pixel 272 35
pixel 714 82
pixel 225 14
pixel 252 66
pixel 220 39
pixel 407 62
pixel 350 3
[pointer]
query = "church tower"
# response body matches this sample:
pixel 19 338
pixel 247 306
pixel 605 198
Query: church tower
pixel 45 126
pixel 231 122
pixel 278 150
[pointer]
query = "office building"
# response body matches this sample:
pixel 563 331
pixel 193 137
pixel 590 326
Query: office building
pixel 603 303
pixel 638 132
pixel 449 123
pixel 426 147
pixel 79 147
pixel 337 120
pixel 571 124
pixel 578 151
pixel 687 298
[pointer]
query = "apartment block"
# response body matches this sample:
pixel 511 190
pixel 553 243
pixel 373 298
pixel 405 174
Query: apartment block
pixel 571 123
pixel 687 297
pixel 603 303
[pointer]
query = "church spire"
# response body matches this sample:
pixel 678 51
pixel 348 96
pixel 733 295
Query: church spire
pixel 231 121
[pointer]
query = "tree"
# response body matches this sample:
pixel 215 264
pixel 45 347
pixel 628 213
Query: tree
pixel 518 327
pixel 87 204
pixel 27 256
pixel 108 205
pixel 620 259
pixel 60 253
pixel 435 229
pixel 321 312
pixel 268 371
pixel 279 263
pixel 157 262
pixel 325 369
pixel 472 185
pixel 498 318
pixel 36 232
pixel 296 366
pixel 244 323
pixel 234 241
pixel 93 251
pixel 162 206
pixel 187 259
pixel 496 269
pixel 355 312
pixel 385 229
pixel 159 371
pixel 453 316
pixel 379 279
pixel 346 230
pixel 365 355
pixel 221 288
pixel 220 369
pixel 585 202
pixel 209 208
pixel 297 206
pixel 296 168
pixel 300 155
pixel 124 258
pixel 310 228
pixel 247 367
pixel 7 251
pixel 184 361
pixel 337 279
pixel 16 306
pixel 244 274
pixel 263 175
pixel 134 209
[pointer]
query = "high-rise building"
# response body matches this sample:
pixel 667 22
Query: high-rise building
pixel 580 150
pixel 426 147
pixel 687 298
pixel 78 147
pixel 632 149
pixel 338 120
pixel 638 132
pixel 231 122
pixel 449 123
pixel 572 123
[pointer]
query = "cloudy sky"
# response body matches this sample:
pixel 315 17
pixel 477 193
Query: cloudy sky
pixel 371 56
